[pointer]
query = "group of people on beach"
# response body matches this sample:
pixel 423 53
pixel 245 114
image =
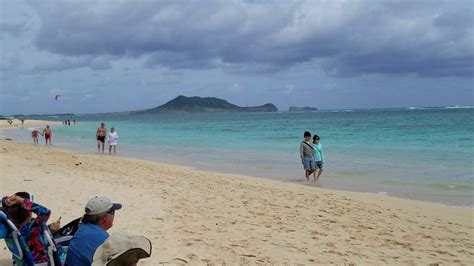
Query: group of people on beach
pixel 101 135
pixel 10 121
pixel 312 156
pixel 68 122
pixel 47 133
pixel 311 153
pixel 37 240
pixel 112 139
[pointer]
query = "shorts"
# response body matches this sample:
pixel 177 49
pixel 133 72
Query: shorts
pixel 47 136
pixel 308 163
pixel 101 138
pixel 319 164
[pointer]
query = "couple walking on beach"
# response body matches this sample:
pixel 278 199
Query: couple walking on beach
pixel 47 133
pixel 312 156
pixel 112 139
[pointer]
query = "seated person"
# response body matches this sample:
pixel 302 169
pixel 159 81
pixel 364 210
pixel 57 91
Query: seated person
pixel 54 226
pixel 17 246
pixel 98 218
pixel 19 211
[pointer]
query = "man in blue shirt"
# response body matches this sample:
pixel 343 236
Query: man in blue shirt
pixel 98 218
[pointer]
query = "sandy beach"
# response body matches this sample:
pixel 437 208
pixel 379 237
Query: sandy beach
pixel 26 123
pixel 199 217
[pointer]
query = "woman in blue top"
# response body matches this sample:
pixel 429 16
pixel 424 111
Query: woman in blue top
pixel 318 157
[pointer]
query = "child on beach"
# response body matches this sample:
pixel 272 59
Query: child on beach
pixel 306 154
pixel 318 157
pixel 112 139
pixel 34 135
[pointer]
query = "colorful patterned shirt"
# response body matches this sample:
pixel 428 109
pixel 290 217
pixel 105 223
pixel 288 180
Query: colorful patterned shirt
pixel 32 234
pixel 33 231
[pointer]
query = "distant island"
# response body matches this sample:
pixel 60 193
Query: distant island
pixel 302 109
pixel 208 104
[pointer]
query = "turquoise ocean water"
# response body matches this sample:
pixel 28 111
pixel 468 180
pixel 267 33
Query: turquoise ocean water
pixel 417 153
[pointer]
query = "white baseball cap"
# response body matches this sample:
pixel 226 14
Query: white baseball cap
pixel 122 249
pixel 100 204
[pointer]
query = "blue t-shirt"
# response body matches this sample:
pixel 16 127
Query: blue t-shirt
pixel 84 243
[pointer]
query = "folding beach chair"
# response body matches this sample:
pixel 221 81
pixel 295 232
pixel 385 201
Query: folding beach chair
pixel 17 244
pixel 64 235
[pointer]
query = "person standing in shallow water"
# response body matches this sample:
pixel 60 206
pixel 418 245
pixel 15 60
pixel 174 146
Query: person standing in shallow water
pixel 318 157
pixel 34 135
pixel 47 132
pixel 100 135
pixel 306 154
pixel 112 139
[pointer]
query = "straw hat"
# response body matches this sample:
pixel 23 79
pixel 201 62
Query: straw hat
pixel 122 249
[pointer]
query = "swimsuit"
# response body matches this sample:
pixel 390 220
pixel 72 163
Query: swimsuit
pixel 47 136
pixel 101 138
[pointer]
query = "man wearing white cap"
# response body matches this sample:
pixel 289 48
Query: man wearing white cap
pixel 98 218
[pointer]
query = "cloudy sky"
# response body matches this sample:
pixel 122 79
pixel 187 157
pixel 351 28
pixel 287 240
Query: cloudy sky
pixel 128 55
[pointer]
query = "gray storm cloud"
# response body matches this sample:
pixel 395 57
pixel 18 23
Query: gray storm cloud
pixel 346 38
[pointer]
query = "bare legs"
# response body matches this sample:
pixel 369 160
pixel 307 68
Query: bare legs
pixel 308 173
pixel 112 147
pixel 317 173
pixel 100 146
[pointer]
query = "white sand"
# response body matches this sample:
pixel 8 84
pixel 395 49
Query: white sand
pixel 26 123
pixel 199 217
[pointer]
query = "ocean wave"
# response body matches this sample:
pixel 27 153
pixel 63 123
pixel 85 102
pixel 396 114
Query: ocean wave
pixel 33 128
pixel 460 107
pixel 340 110
pixel 440 107
pixel 434 186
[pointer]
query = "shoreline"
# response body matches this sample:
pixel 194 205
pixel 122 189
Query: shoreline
pixel 257 178
pixel 233 170
pixel 209 168
pixel 28 122
pixel 202 217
